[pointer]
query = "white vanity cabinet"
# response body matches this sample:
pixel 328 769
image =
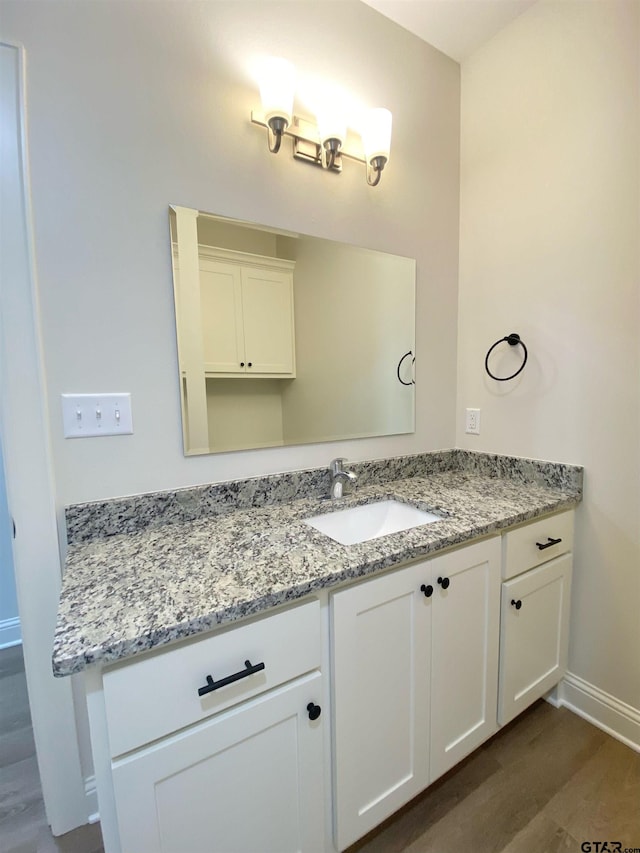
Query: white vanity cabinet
pixel 415 667
pixel 426 661
pixel 534 631
pixel 381 677
pixel 247 314
pixel 246 780
pixel 237 769
pixel 464 664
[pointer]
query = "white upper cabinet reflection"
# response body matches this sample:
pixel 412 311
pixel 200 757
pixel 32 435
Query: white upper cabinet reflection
pixel 288 339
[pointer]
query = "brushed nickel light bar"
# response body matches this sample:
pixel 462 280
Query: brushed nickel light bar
pixel 325 142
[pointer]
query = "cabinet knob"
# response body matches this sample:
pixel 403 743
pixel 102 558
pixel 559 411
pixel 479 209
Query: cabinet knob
pixel 427 589
pixel 249 364
pixel 517 604
pixel 242 364
pixel 314 711
pixel 444 582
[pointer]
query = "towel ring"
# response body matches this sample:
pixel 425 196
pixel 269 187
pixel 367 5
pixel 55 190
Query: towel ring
pixel 513 340
pixel 400 379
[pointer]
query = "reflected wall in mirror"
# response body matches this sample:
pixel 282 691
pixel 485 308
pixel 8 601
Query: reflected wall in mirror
pixel 288 339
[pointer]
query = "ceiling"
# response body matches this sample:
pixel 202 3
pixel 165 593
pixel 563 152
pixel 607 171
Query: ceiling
pixel 456 27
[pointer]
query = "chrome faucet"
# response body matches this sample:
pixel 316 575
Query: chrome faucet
pixel 340 478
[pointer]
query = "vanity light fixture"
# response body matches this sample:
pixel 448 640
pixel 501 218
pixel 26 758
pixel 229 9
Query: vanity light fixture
pixel 376 138
pixel 332 132
pixel 277 87
pixel 323 142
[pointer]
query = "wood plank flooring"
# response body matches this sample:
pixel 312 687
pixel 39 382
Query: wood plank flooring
pixel 544 784
pixel 23 823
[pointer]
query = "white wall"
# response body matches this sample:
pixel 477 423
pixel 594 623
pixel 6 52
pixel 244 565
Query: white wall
pixel 136 105
pixel 212 232
pixel 549 236
pixel 245 413
pixel 354 320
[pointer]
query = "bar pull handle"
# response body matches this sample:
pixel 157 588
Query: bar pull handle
pixel 244 673
pixel 548 543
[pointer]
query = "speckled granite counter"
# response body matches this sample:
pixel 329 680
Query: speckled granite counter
pixel 144 571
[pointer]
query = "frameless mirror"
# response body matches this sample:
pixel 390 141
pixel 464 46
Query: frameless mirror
pixel 288 339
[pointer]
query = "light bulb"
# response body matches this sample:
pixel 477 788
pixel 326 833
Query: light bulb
pixel 331 125
pixel 277 86
pixel 376 133
pixel 376 139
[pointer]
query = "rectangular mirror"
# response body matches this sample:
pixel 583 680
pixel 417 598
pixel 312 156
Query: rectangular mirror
pixel 288 339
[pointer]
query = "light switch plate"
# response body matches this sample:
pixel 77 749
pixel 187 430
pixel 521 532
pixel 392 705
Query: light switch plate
pixel 86 415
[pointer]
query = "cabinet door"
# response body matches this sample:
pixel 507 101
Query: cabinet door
pixel 248 780
pixel 534 636
pixel 267 304
pixel 464 666
pixel 221 312
pixel 381 660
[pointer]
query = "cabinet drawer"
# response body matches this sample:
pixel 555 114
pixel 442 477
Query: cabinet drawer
pixel 521 547
pixel 158 695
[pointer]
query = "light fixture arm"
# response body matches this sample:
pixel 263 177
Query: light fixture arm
pixel 276 128
pixel 329 151
pixel 374 170
pixel 376 180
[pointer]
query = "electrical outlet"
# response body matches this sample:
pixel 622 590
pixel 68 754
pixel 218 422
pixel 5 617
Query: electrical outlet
pixel 473 421
pixel 86 415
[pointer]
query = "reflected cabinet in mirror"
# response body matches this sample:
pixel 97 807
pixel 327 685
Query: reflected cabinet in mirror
pixel 288 339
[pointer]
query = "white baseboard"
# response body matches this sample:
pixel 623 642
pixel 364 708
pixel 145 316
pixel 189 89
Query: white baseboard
pixel 614 717
pixel 91 793
pixel 10 634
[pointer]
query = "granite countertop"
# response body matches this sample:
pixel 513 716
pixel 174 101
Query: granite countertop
pixel 132 591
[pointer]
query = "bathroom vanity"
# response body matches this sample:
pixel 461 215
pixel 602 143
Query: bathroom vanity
pixel 254 685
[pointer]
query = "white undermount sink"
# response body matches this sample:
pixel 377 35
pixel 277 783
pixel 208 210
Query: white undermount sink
pixel 369 521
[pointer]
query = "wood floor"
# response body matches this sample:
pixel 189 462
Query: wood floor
pixel 545 784
pixel 23 825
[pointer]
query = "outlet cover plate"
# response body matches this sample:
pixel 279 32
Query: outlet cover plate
pixel 473 422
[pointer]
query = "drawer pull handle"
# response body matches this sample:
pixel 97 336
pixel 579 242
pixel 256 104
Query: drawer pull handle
pixel 444 582
pixel 215 685
pixel 427 589
pixel 517 604
pixel 314 711
pixel 548 543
